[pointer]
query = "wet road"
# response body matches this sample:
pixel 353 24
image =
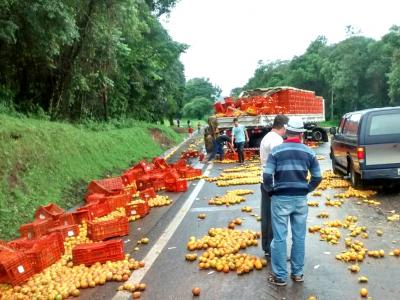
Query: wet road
pixel 169 276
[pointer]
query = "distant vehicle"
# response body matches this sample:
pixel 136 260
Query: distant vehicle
pixel 256 110
pixel 366 146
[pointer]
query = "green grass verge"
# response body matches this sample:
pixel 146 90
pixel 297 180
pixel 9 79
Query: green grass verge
pixel 333 123
pixel 42 162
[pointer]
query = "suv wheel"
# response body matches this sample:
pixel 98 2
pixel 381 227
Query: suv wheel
pixel 355 178
pixel 335 169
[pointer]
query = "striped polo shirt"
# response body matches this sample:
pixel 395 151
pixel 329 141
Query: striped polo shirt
pixel 287 167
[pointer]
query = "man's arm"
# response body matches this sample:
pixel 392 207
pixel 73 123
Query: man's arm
pixel 316 177
pixel 268 173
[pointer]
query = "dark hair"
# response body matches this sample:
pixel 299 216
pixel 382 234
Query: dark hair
pixel 235 120
pixel 280 121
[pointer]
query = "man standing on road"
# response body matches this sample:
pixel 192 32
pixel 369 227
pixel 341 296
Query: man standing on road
pixel 269 141
pixel 239 136
pixel 285 179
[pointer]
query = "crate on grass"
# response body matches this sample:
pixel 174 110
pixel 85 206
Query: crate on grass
pixel 51 211
pixel 99 231
pixel 15 267
pixel 89 254
pixel 96 197
pixel 66 219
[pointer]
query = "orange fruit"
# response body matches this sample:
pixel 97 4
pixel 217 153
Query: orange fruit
pixel 196 291
pixel 364 292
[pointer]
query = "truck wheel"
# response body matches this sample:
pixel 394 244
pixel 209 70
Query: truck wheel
pixel 355 178
pixel 317 135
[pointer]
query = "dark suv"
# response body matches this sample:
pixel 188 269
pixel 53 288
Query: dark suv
pixel 366 146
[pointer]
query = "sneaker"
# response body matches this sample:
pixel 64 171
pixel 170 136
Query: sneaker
pixel 297 278
pixel 276 281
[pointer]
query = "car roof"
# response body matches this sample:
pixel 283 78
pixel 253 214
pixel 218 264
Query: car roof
pixel 365 111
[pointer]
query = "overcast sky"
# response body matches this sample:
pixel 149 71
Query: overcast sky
pixel 228 37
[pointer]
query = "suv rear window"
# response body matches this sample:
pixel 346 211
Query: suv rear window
pixel 385 124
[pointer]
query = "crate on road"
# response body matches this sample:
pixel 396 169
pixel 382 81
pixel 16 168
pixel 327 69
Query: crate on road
pixel 89 254
pixel 99 231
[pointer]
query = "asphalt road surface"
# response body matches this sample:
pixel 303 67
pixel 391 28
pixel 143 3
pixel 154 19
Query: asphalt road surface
pixel 169 276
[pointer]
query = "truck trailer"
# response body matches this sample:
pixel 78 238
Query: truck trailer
pixel 256 110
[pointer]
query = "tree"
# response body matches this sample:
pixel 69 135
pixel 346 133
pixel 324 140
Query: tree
pixel 198 108
pixel 201 87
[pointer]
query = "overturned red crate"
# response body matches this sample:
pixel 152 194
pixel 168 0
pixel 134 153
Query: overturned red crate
pixel 144 166
pixel 46 251
pixel 96 210
pixel 131 175
pixel 15 267
pixel 141 209
pixel 82 215
pixel 96 197
pixel 50 211
pixel 143 182
pixel 36 229
pixel 160 163
pixel 147 194
pixel 179 185
pixel 108 186
pixel 117 201
pixel 99 231
pixel 158 185
pixel 192 172
pixel 89 254
pixel 66 219
pixel 66 230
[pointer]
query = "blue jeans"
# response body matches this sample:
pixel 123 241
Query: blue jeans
pixel 217 149
pixel 283 209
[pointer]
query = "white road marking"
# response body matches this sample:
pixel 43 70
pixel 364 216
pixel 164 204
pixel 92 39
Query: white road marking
pixel 151 257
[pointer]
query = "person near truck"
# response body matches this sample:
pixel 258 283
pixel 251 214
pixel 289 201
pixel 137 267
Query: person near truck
pixel 269 141
pixel 218 146
pixel 239 138
pixel 285 180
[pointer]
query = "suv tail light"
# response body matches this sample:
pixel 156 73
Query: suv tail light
pixel 361 154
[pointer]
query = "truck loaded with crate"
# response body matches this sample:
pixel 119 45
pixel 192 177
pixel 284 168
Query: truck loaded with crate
pixel 256 110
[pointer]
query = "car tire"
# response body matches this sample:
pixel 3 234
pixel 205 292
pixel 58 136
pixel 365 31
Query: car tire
pixel 335 169
pixel 317 135
pixel 355 178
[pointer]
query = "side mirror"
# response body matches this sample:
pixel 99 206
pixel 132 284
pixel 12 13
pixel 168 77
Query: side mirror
pixel 332 130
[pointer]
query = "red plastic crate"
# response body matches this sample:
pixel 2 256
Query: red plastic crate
pixel 147 194
pixel 173 174
pixel 96 197
pixel 158 185
pixel 96 210
pixel 66 219
pixel 143 182
pixel 46 251
pixel 131 175
pixel 21 244
pixel 108 186
pixel 100 231
pixel 145 166
pixel 89 254
pixel 192 172
pixel 160 163
pixel 66 230
pixel 118 201
pixel 141 209
pixel 50 211
pixel 36 229
pixel 15 267
pixel 82 215
pixel 176 186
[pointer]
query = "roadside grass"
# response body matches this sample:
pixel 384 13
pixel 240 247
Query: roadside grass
pixel 331 123
pixel 43 162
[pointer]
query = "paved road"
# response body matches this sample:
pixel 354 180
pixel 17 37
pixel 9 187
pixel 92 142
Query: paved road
pixel 171 277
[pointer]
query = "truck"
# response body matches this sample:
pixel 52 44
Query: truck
pixel 256 110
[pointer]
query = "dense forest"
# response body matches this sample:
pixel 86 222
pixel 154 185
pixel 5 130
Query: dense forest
pixel 356 73
pixel 74 60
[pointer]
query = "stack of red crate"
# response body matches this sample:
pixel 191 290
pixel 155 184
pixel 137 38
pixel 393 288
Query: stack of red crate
pixel 89 254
